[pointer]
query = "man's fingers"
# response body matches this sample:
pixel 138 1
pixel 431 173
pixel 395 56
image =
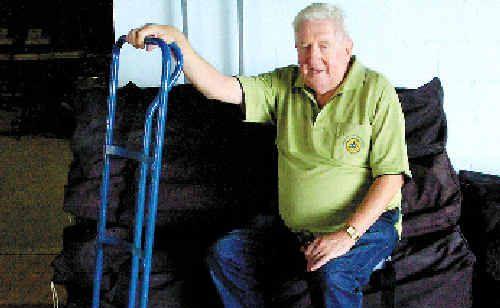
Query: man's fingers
pixel 148 30
pixel 140 38
pixel 318 263
pixel 150 47
pixel 128 37
pixel 135 37
pixel 311 247
pixel 131 37
pixel 320 260
pixel 135 40
pixel 316 248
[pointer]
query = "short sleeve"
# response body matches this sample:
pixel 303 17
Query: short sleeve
pixel 259 97
pixel 389 154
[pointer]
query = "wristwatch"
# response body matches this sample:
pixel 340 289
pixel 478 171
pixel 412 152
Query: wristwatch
pixel 353 233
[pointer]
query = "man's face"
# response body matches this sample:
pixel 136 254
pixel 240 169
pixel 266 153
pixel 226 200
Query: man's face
pixel 323 54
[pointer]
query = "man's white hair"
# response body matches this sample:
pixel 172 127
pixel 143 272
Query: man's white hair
pixel 319 11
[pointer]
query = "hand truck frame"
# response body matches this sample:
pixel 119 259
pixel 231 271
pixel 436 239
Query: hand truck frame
pixel 148 164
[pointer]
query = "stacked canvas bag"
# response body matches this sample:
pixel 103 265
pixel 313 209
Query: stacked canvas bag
pixel 206 189
pixel 74 267
pixel 433 264
pixel 217 173
pixel 481 225
pixel 220 173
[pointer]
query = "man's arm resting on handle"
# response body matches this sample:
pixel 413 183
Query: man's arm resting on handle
pixel 203 75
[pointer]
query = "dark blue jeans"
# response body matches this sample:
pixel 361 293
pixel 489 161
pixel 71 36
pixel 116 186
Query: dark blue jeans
pixel 248 265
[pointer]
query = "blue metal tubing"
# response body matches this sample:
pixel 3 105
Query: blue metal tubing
pixel 166 85
pixel 159 104
pixel 101 227
pixel 153 196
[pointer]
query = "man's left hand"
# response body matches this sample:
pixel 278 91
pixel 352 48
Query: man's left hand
pixel 327 247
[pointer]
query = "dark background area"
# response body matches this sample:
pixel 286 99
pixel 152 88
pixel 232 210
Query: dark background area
pixel 47 48
pixel 49 51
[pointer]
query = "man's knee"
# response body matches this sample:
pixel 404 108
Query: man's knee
pixel 339 275
pixel 220 250
pixel 234 248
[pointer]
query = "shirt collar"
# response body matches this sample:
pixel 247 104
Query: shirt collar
pixel 354 79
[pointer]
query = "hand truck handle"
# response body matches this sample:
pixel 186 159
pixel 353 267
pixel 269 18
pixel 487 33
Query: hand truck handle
pixel 166 50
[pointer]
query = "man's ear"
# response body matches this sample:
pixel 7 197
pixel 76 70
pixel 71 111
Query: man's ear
pixel 348 46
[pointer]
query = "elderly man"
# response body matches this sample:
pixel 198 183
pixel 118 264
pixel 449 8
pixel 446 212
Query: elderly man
pixel 342 158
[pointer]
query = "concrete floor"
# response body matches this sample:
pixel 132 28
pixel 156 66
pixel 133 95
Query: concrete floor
pixel 33 172
pixel 26 281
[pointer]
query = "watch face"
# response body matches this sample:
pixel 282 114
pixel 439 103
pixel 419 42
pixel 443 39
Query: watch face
pixel 352 232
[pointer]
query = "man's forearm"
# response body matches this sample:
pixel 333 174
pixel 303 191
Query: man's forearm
pixel 203 75
pixel 332 245
pixel 381 192
pixel 208 80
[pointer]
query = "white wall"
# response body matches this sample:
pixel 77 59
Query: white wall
pixel 409 41
pixel 213 32
pixel 139 66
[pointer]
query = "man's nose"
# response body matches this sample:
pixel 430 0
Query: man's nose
pixel 315 56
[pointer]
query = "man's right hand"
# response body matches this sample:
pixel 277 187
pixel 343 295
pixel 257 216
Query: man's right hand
pixel 169 34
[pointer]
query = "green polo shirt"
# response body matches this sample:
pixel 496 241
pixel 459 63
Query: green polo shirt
pixel 329 157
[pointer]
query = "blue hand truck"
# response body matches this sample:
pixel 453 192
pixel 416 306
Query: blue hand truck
pixel 149 166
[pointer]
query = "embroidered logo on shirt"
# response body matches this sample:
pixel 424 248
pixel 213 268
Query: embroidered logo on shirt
pixel 353 144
